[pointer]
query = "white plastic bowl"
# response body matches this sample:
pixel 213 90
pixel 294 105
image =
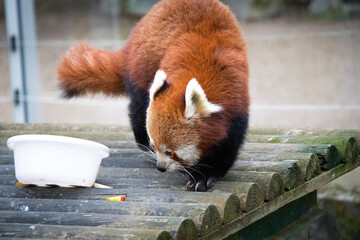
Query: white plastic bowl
pixel 56 160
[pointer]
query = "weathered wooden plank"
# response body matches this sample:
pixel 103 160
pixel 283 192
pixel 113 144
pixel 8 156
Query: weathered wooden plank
pixel 211 221
pixel 328 154
pixel 308 162
pixel 141 161
pixel 148 173
pixel 250 194
pixel 6 159
pixel 165 235
pixel 8 180
pixel 118 172
pixel 134 195
pixel 120 144
pixel 289 170
pixel 7 169
pixel 91 219
pixel 151 178
pixel 93 135
pixel 232 209
pixel 270 182
pixel 177 183
pixel 141 196
pixel 187 231
pixel 189 210
pixel 4 150
pixel 310 165
pixel 352 150
pixel 18 230
pixel 282 200
pixel 294 132
pixel 283 147
pixel 125 162
pixel 45 127
pixel 128 152
pixel 87 128
pixel 346 144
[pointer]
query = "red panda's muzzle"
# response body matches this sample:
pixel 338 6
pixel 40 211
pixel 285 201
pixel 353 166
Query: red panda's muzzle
pixel 160 167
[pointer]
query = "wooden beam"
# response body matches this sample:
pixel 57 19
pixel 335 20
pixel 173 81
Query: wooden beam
pixel 18 230
pixel 270 182
pixel 211 221
pixel 346 144
pixel 134 195
pixel 289 170
pixel 250 194
pixel 187 231
pixel 308 162
pixel 328 154
pixel 189 210
pixel 26 216
pixel 232 209
pixel 279 202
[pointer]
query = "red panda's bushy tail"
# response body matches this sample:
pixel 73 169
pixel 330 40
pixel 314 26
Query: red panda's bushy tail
pixel 86 69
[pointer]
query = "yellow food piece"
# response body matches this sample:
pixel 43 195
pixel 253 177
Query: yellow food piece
pixel 117 198
pixel 21 184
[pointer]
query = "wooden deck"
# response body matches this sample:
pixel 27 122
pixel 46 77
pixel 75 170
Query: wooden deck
pixel 275 169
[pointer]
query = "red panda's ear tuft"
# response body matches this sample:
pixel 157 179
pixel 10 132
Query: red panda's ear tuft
pixel 159 85
pixel 196 102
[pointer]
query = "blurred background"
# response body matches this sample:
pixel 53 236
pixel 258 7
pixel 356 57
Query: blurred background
pixel 304 60
pixel 304 67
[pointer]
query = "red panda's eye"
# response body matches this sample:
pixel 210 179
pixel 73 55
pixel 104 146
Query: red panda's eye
pixel 168 153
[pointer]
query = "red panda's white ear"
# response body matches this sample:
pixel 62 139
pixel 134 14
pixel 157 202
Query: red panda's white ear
pixel 158 85
pixel 196 103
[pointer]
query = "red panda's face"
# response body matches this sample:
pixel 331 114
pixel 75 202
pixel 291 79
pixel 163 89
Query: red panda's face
pixel 172 123
pixel 172 138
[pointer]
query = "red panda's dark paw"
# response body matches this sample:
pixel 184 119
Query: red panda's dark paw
pixel 201 185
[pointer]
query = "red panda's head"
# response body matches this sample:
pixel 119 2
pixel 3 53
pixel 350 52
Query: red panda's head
pixel 174 122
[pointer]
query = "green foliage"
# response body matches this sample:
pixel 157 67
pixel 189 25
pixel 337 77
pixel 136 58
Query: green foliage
pixel 261 4
pixel 332 15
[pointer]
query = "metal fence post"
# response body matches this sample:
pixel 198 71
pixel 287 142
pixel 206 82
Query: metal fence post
pixel 23 61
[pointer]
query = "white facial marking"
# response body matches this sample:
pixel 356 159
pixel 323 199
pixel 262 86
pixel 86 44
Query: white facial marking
pixel 159 80
pixel 174 166
pixel 162 148
pixel 189 153
pixel 196 102
pixel 168 163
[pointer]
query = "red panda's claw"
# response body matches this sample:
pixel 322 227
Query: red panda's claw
pixel 211 182
pixel 201 185
pixel 190 186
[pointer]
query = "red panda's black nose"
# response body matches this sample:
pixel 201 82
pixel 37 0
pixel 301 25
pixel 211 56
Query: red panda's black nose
pixel 160 167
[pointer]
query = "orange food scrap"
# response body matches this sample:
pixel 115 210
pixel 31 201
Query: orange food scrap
pixel 21 184
pixel 116 198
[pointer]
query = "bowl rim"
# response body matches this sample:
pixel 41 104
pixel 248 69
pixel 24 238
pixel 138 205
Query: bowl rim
pixel 56 138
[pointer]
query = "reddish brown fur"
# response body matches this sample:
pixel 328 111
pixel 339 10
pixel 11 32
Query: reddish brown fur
pixel 186 43
pixel 88 70
pixel 214 53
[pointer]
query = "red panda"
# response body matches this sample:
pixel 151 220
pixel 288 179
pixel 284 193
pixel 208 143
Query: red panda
pixel 185 70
